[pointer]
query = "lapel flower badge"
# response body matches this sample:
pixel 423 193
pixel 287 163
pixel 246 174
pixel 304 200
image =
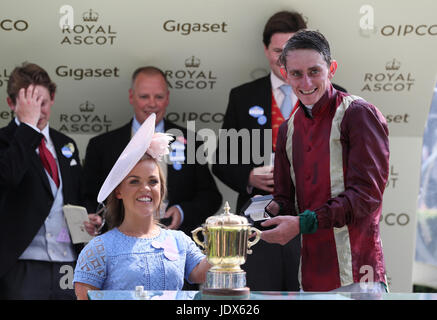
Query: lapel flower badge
pixel 177 154
pixel 68 150
pixel 170 249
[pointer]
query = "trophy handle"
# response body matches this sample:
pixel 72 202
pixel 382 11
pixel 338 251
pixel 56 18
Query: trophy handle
pixel 257 238
pixel 196 239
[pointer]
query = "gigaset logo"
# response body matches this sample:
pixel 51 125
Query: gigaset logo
pixel 187 28
pixel 7 115
pixel 13 25
pixel 81 73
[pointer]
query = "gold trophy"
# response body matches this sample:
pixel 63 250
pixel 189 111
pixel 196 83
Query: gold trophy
pixel 226 244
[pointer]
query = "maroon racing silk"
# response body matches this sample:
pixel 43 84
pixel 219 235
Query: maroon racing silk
pixel 335 161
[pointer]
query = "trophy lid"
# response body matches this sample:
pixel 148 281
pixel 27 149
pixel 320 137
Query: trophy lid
pixel 226 219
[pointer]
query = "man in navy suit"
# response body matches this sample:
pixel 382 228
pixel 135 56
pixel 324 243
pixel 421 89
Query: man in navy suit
pixel 264 104
pixel 192 194
pixel 39 173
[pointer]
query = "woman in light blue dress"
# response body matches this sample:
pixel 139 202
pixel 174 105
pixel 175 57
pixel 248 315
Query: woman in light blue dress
pixel 137 251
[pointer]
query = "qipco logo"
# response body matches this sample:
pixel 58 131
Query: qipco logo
pixel 13 25
pixel 395 219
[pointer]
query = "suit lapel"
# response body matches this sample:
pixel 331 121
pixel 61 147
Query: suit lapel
pixel 174 174
pixel 258 94
pixel 262 96
pixel 112 150
pixel 171 171
pixel 41 171
pixel 35 160
pixel 265 96
pixel 125 136
pixel 168 126
pixel 121 141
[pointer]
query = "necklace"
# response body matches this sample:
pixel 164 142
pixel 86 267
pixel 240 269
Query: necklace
pixel 149 235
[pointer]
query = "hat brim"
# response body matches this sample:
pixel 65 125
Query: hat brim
pixel 130 156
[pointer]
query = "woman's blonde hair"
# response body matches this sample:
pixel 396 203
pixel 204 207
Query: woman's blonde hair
pixel 114 214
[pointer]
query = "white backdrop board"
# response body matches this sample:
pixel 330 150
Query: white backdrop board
pixel 385 51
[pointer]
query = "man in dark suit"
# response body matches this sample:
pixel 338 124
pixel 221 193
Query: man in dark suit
pixel 263 104
pixel 192 194
pixel 39 173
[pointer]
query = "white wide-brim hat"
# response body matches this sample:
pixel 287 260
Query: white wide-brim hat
pixel 130 156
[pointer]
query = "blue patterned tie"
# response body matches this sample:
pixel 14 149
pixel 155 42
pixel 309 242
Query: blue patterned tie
pixel 286 103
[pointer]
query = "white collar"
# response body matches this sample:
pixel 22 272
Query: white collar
pixel 276 82
pixel 44 131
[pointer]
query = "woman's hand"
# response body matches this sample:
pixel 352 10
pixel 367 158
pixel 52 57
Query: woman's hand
pixel 95 222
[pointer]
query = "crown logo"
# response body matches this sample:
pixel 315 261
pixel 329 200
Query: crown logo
pixel 393 65
pixel 90 16
pixel 192 62
pixel 87 107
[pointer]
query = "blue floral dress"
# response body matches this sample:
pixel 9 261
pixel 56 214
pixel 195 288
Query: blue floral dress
pixel 115 261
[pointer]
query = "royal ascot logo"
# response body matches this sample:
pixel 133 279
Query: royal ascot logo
pixel 192 62
pixel 86 121
pixel 89 32
pixel 13 25
pixel 90 16
pixel 392 178
pixel 64 71
pixel 191 76
pixel 391 79
pixel 394 218
pixel 4 77
pixel 188 28
pixel 87 107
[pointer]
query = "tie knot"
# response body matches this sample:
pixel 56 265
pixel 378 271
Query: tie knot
pixel 286 89
pixel 43 143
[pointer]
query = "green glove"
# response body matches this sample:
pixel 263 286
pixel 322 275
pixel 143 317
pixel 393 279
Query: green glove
pixel 308 222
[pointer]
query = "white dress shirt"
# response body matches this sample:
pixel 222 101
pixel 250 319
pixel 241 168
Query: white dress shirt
pixel 277 92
